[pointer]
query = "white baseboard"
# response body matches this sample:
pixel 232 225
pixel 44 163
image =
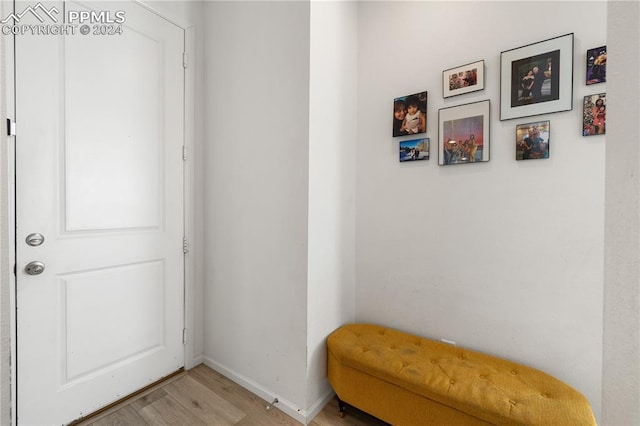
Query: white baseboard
pixel 303 416
pixel 197 361
pixel 317 406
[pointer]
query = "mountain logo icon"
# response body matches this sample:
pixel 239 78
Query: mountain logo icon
pixel 36 11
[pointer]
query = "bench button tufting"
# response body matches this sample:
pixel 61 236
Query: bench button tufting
pixel 453 382
pixel 514 372
pixel 482 376
pixel 512 402
pixel 433 361
pixel 544 395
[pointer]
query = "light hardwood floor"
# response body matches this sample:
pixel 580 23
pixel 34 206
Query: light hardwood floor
pixel 202 396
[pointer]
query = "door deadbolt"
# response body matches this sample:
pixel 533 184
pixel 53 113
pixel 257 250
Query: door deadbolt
pixel 34 268
pixel 34 239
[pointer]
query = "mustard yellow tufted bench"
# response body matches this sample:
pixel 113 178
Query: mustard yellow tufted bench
pixel 407 380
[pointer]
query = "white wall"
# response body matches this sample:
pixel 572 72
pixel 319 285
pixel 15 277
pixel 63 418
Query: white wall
pixel 279 185
pixel 256 195
pixel 332 136
pixel 621 378
pixel 503 257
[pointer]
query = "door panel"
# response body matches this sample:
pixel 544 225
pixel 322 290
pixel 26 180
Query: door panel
pixel 126 119
pixel 100 175
pixel 88 318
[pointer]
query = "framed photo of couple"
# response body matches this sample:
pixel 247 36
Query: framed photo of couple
pixel 537 78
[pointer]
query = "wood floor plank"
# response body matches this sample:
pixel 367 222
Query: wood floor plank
pixel 246 401
pixel 167 411
pixel 125 416
pixel 249 421
pixel 203 396
pixel 204 403
pixel 144 400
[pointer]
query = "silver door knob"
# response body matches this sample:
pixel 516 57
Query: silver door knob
pixel 34 268
pixel 34 239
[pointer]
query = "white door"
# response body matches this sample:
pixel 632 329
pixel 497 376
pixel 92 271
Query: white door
pixel 100 176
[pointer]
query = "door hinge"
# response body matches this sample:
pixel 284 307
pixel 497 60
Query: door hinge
pixel 184 153
pixel 184 336
pixel 185 245
pixel 11 127
pixel 185 63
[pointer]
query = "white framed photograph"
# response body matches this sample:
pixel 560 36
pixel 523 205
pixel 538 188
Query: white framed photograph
pixel 463 79
pixel 537 78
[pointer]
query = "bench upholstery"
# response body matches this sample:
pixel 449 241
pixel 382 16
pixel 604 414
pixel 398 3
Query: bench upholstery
pixel 408 380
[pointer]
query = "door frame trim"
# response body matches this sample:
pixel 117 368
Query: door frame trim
pixel 9 171
pixel 189 183
pixel 191 358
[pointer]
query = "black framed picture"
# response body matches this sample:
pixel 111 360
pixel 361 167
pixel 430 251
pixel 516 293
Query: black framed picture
pixel 537 78
pixel 463 134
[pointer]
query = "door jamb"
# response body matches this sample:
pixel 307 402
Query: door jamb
pixel 193 330
pixel 189 183
pixel 8 45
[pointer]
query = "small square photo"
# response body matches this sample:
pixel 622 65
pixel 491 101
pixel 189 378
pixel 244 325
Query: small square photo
pixel 416 149
pixel 594 114
pixel 532 140
pixel 410 114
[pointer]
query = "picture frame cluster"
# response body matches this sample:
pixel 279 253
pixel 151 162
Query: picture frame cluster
pixel 535 79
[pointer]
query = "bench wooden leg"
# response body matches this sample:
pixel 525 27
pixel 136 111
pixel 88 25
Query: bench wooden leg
pixel 341 407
